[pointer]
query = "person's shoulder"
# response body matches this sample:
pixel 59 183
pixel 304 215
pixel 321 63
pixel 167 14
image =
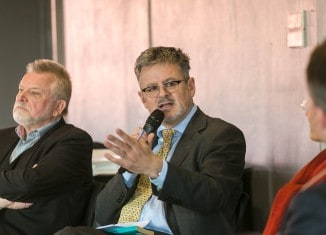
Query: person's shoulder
pixel 223 124
pixel 306 212
pixel 310 199
pixel 316 192
pixel 214 119
pixel 217 125
pixel 68 129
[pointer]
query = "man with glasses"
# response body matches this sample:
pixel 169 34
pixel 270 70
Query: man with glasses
pixel 196 188
pixel 300 206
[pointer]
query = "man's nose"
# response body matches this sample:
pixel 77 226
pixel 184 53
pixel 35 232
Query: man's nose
pixel 163 91
pixel 21 96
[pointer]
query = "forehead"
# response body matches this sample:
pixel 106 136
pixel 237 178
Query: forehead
pixel 42 81
pixel 159 73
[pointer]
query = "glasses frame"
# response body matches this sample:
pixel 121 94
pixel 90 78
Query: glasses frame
pixel 170 89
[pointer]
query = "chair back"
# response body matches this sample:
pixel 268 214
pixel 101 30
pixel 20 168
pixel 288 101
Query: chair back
pixel 89 214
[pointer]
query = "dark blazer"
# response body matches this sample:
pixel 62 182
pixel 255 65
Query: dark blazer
pixel 203 182
pixel 58 187
pixel 306 213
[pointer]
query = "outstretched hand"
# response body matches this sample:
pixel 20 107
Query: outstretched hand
pixel 135 154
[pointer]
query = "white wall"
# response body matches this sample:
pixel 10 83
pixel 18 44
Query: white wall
pixel 244 72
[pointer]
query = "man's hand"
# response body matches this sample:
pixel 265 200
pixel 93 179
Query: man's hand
pixel 135 154
pixel 4 203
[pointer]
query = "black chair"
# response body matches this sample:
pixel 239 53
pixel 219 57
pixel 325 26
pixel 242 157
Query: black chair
pixel 89 214
pixel 241 209
pixel 244 219
pixel 98 145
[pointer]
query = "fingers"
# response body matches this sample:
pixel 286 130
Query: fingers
pixel 113 158
pixel 113 144
pixel 14 205
pixel 127 139
pixel 27 205
pixel 4 203
pixel 137 133
pixel 133 152
pixel 120 145
pixel 150 139
pixel 19 205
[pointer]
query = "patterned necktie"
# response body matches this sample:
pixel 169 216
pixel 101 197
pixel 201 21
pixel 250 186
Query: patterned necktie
pixel 131 211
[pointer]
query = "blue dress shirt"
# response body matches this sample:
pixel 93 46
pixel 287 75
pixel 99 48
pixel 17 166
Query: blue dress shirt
pixel 34 136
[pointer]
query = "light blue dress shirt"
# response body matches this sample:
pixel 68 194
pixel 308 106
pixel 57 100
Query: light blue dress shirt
pixel 153 210
pixel 30 140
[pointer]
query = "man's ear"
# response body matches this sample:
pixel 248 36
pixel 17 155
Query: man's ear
pixel 59 107
pixel 192 86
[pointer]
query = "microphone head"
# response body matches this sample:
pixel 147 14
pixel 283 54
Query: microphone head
pixel 153 121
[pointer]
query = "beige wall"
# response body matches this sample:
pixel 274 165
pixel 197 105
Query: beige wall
pixel 244 72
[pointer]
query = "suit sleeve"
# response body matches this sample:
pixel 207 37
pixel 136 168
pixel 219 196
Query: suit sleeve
pixel 111 199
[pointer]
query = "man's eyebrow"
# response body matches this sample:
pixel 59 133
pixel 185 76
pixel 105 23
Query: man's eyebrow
pixel 31 88
pixel 169 80
pixel 151 84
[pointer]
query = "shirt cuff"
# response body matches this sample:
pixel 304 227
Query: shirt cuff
pixel 159 180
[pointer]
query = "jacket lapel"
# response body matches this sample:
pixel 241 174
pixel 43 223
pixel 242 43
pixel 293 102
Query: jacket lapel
pixel 190 135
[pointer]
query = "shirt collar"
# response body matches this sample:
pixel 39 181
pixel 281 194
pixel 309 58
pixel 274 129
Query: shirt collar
pixel 21 132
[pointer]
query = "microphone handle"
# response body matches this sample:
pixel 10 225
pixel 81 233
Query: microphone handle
pixel 140 134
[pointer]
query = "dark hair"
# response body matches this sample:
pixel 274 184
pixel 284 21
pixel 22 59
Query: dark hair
pixel 155 55
pixel 316 75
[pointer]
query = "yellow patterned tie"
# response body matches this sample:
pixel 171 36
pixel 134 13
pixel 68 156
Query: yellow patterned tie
pixel 131 211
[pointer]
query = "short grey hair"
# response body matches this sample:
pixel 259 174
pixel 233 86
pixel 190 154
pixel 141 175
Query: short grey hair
pixel 63 87
pixel 156 55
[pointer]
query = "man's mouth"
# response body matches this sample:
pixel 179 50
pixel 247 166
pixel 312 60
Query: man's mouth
pixel 165 105
pixel 18 107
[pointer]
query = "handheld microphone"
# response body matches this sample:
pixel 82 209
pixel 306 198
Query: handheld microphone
pixel 152 123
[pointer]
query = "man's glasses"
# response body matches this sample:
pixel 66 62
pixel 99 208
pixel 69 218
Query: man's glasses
pixel 169 86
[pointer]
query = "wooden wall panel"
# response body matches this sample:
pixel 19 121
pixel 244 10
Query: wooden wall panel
pixel 102 40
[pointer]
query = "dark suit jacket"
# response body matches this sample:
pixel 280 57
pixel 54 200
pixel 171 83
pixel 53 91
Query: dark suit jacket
pixel 203 183
pixel 306 213
pixel 59 185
